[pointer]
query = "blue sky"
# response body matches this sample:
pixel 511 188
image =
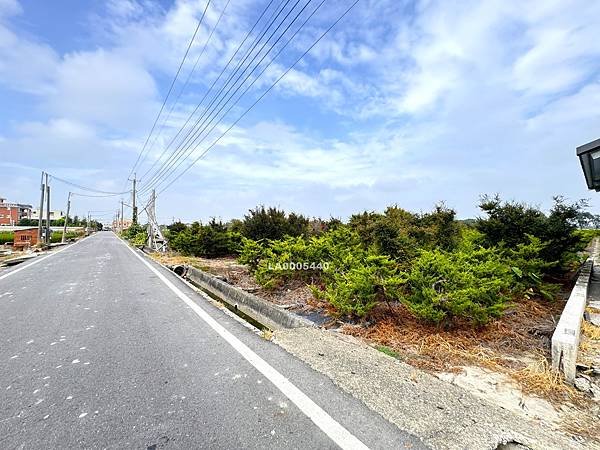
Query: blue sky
pixel 406 103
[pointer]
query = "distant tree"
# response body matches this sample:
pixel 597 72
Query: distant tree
pixel 511 223
pixel 272 223
pixel 177 227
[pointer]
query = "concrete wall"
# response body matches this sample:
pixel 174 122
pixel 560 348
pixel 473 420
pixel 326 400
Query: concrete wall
pixel 565 340
pixel 255 307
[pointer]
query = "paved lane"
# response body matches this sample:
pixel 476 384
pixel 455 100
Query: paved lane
pixel 96 351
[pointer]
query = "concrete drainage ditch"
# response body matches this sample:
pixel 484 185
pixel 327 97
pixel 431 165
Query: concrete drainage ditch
pixel 251 308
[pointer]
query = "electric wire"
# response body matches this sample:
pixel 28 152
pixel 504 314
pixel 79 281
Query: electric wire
pixel 183 152
pixel 195 143
pixel 84 188
pixel 210 88
pixel 240 64
pixel 262 96
pixel 156 135
pixel 169 91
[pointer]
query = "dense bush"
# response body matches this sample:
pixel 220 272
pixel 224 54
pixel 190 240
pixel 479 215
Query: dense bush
pixel 272 223
pixel 509 224
pixel 56 236
pixel 350 277
pixel 136 234
pixel 445 286
pixel 362 281
pixel 211 240
pixel 400 233
pixel 443 270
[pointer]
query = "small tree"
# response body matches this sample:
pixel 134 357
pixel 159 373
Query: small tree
pixel 272 223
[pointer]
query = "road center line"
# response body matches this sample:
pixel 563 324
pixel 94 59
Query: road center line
pixel 38 260
pixel 336 432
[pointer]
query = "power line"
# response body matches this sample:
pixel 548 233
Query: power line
pixel 84 188
pixel 194 143
pixel 185 144
pixel 156 135
pixel 263 94
pixel 272 20
pixel 170 89
pixel 212 85
pixel 79 194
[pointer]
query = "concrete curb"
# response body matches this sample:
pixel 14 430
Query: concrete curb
pixel 565 340
pixel 254 307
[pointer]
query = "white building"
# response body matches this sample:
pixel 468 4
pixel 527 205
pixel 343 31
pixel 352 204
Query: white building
pixel 54 215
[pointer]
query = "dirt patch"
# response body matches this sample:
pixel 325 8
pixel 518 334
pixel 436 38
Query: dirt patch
pixel 295 295
pixel 518 344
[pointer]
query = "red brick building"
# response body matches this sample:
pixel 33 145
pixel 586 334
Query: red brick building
pixel 11 213
pixel 25 238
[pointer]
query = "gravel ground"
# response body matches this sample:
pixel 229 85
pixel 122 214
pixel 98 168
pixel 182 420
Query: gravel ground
pixel 443 415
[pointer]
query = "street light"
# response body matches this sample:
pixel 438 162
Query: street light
pixel 589 156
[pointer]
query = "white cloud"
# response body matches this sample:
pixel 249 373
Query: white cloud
pixel 104 88
pixel 419 102
pixel 9 8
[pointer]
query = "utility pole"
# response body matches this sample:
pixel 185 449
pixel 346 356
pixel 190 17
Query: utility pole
pixel 134 213
pixel 121 215
pixel 47 211
pixel 151 213
pixel 66 218
pixel 40 211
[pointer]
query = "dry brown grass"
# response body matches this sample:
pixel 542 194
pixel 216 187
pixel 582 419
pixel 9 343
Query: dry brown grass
pixel 294 294
pixel 517 345
pixel 539 379
pixel 590 330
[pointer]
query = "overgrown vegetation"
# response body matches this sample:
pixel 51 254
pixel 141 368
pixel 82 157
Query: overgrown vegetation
pixel 271 223
pixel 55 236
pixel 136 234
pixel 442 270
pixel 73 222
pixel 211 240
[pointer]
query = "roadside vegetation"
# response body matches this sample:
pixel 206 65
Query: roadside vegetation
pixel 437 292
pixel 6 236
pixel 55 236
pixel 443 271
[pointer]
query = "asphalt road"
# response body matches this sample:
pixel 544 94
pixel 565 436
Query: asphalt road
pixel 100 349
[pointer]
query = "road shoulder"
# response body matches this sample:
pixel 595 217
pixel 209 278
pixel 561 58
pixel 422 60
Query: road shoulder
pixel 445 416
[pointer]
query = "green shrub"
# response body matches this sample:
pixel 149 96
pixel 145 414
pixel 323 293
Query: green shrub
pixel 342 271
pixel 528 268
pixel 141 238
pixel 56 236
pixel 509 224
pixel 360 282
pixel 251 253
pixel 468 285
pixel 211 240
pixel 6 236
pixel 134 230
pixel 586 236
pixel 400 233
pixel 272 223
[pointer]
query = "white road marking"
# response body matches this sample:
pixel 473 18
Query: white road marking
pixel 336 432
pixel 38 260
